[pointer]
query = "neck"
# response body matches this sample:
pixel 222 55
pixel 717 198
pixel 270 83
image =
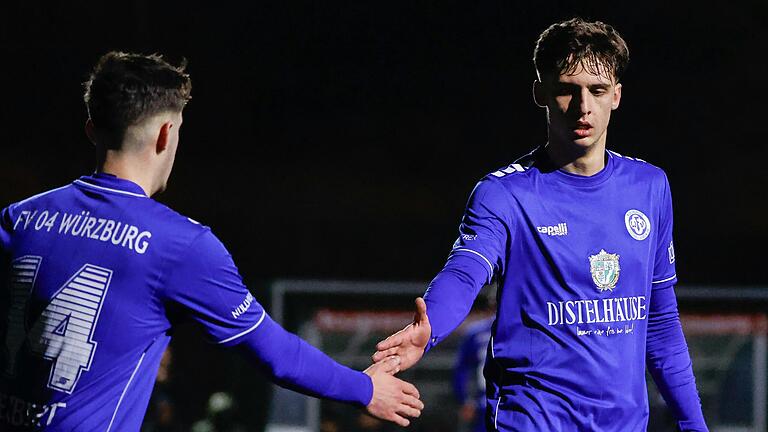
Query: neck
pixel 572 158
pixel 128 168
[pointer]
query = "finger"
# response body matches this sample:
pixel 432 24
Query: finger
pixel 421 311
pixel 391 365
pixel 381 355
pixel 408 411
pixel 413 402
pixel 410 389
pixel 399 420
pixel 394 340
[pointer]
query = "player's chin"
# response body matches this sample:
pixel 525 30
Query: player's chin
pixel 584 142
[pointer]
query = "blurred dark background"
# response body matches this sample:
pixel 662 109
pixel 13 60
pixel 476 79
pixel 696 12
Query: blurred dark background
pixel 341 139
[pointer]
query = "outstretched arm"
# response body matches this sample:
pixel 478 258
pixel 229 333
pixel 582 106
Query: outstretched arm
pixel 208 286
pixel 294 364
pixel 669 362
pixel 448 299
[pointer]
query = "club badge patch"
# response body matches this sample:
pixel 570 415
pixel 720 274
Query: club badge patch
pixel 605 270
pixel 637 223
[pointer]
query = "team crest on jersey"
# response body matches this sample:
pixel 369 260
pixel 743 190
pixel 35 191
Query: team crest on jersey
pixel 605 270
pixel 637 223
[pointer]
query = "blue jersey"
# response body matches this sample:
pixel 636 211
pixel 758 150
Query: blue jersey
pixel 99 274
pixel 577 260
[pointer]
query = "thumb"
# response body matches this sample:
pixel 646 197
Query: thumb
pixel 421 311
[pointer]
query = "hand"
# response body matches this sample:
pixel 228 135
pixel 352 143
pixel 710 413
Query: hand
pixel 393 399
pixel 408 343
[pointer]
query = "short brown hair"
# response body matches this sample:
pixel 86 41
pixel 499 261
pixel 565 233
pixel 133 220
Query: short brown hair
pixel 597 46
pixel 126 88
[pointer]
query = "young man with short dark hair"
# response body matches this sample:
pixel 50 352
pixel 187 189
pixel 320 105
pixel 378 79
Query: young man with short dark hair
pixel 99 274
pixel 579 239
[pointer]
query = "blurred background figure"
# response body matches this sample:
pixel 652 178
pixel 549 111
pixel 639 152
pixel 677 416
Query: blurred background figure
pixel 161 414
pixel 468 380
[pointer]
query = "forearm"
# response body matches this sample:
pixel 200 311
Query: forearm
pixel 450 296
pixel 669 362
pixel 294 364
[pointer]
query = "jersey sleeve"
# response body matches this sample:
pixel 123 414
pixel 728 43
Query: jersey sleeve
pixel 484 230
pixel 207 284
pixel 6 227
pixel 664 273
pixel 5 251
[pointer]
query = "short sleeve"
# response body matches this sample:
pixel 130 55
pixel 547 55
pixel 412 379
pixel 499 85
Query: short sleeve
pixel 208 286
pixel 664 273
pixel 484 230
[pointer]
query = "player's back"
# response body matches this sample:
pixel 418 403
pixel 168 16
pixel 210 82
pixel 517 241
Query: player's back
pixel 84 323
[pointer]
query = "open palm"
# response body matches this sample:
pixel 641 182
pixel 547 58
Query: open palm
pixel 408 343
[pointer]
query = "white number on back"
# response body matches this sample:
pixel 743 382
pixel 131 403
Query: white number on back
pixel 63 333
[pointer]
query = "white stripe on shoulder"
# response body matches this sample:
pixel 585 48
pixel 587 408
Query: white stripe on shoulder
pixel 512 168
pixel 490 266
pixel 243 333
pixel 43 194
pixel 82 183
pixel 665 280
pixel 612 153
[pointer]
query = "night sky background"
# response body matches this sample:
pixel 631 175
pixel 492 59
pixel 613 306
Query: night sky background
pixel 341 139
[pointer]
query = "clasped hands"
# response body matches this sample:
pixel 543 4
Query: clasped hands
pixel 393 399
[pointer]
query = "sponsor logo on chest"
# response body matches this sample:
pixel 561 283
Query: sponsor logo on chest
pixel 560 229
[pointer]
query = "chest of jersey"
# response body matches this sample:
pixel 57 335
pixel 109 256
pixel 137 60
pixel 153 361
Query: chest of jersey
pixel 583 243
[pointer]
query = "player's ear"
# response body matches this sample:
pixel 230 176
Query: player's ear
pixel 539 96
pixel 616 96
pixel 163 137
pixel 90 132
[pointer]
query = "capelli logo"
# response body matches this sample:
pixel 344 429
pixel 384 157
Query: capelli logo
pixel 560 229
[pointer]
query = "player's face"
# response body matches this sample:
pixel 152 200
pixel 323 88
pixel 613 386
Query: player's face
pixel 579 106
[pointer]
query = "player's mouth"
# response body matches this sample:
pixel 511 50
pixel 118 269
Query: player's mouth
pixel 582 129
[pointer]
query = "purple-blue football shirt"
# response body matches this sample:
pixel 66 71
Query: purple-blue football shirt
pixel 99 274
pixel 586 269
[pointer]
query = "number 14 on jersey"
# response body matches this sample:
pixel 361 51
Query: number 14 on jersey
pixel 63 333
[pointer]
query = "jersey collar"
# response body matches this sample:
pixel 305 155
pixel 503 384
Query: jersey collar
pixel 586 181
pixel 604 174
pixel 110 183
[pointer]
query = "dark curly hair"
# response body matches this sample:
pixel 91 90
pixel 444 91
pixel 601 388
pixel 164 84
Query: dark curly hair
pixel 126 88
pixel 597 46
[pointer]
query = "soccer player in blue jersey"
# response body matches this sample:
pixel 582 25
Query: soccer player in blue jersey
pixel 99 275
pixel 579 239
